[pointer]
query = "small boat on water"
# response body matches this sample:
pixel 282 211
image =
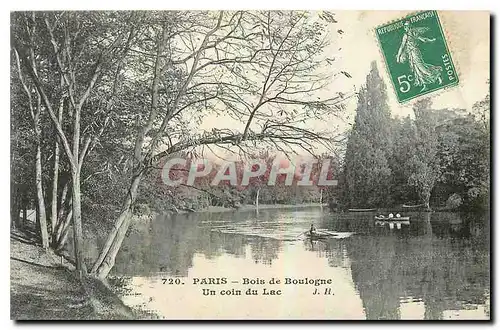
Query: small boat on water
pixel 392 223
pixel 362 210
pixel 383 218
pixel 405 206
pixel 318 235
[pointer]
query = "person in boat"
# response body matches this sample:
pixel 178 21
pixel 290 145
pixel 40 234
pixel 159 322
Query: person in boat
pixel 398 215
pixel 312 231
pixel 391 216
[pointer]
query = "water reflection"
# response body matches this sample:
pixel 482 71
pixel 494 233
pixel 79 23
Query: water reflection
pixel 436 266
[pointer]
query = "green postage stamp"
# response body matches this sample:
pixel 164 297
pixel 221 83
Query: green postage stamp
pixel 416 54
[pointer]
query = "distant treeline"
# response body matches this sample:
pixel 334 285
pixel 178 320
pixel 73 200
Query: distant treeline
pixel 261 189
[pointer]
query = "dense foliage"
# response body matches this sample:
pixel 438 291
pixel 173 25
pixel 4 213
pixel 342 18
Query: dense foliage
pixel 439 157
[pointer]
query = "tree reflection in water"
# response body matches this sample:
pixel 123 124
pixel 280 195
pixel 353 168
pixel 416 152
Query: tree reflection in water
pixel 438 260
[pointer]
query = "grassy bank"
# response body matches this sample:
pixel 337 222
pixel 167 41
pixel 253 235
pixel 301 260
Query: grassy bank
pixel 43 286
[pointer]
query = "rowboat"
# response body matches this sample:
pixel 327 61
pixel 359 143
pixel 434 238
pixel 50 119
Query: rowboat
pixel 318 235
pixel 392 219
pixel 362 210
pixel 391 224
pixel 413 206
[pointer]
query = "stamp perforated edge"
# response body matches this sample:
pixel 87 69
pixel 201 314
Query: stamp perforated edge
pixel 449 46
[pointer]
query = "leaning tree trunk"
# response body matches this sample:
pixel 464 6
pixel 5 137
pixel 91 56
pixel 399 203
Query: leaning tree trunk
pixel 55 177
pixel 109 259
pixel 64 195
pixel 60 223
pixel 55 183
pixel 42 216
pixel 77 222
pixel 61 241
pixel 62 230
pixel 107 256
pixel 106 259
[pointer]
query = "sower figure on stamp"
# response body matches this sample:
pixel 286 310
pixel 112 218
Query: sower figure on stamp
pixel 424 73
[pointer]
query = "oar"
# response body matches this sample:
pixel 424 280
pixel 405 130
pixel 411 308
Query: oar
pixel 301 234
pixel 325 232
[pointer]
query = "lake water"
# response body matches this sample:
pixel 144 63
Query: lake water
pixel 434 267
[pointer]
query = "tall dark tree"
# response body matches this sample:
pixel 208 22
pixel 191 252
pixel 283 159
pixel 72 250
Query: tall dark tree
pixel 404 134
pixel 424 164
pixel 366 169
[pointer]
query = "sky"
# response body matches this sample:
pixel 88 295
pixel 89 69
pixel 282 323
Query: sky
pixel 468 38
pixel 467 34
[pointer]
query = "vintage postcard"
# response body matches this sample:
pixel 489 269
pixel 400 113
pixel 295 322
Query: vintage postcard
pixel 250 165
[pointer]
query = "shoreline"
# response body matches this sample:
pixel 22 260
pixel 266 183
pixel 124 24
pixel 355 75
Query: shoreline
pixel 34 275
pixel 248 207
